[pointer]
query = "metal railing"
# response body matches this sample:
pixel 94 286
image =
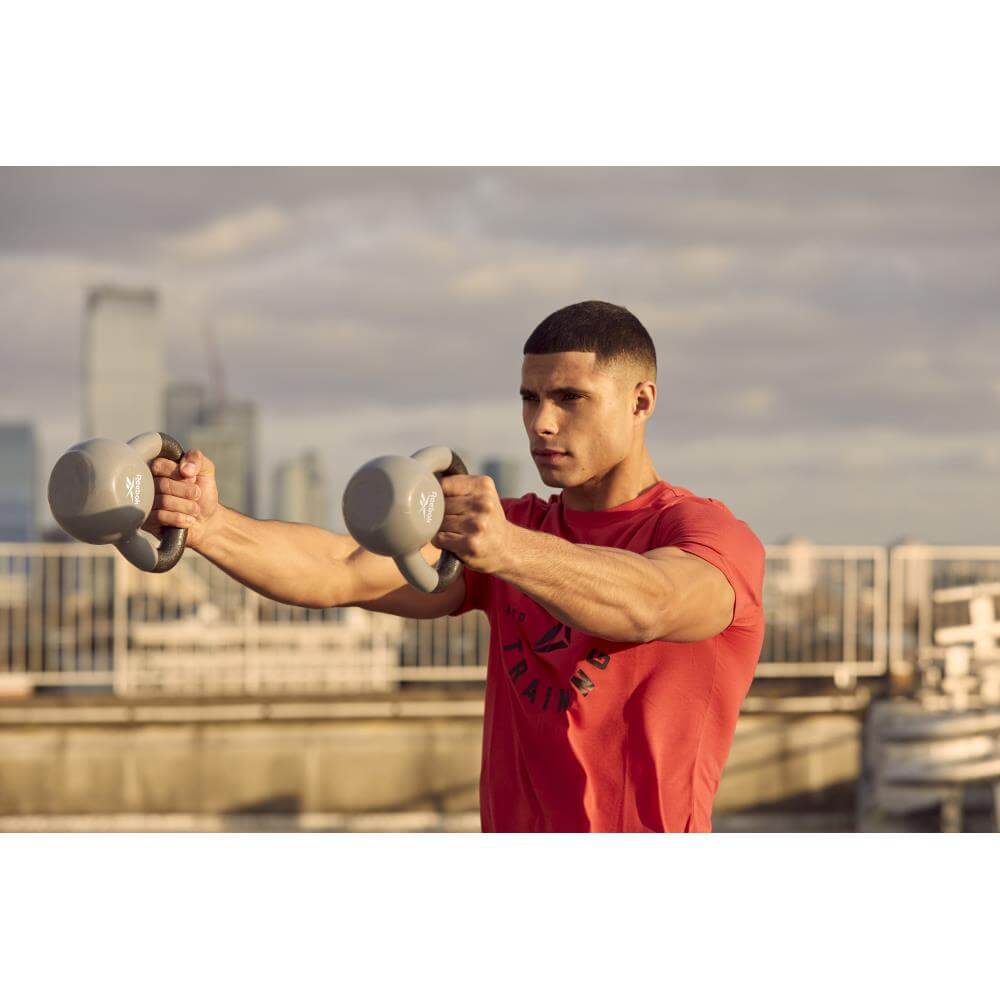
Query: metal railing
pixel 825 612
pixel 942 597
pixel 75 616
pixel 79 616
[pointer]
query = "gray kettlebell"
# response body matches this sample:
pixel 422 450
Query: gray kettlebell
pixel 101 492
pixel 394 506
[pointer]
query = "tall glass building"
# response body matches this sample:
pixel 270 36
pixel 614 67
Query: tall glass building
pixel 123 364
pixel 506 473
pixel 300 491
pixel 226 447
pixel 240 417
pixel 185 405
pixel 18 486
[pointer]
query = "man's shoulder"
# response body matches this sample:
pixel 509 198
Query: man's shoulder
pixel 685 509
pixel 678 504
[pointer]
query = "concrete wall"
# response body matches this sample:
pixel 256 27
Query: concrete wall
pixel 385 756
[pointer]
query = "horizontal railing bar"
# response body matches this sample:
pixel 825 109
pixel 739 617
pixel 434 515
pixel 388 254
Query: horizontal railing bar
pixel 61 678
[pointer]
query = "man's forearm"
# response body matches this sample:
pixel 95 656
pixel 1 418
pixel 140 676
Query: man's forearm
pixel 603 591
pixel 286 562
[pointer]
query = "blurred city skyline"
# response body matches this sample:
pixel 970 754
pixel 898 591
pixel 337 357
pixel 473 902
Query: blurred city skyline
pixel 826 337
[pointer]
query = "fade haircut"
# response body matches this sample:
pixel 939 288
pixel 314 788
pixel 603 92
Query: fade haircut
pixel 609 331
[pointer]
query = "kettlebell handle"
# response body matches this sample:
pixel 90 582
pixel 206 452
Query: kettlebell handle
pixel 442 461
pixel 138 549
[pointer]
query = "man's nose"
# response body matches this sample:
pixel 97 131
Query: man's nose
pixel 544 420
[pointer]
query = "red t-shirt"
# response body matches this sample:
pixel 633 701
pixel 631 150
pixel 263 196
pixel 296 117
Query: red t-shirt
pixel 583 734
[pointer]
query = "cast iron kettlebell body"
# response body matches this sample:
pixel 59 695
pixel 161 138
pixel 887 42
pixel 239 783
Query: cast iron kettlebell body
pixel 101 492
pixel 394 506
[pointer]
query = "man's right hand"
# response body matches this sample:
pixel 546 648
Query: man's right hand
pixel 185 496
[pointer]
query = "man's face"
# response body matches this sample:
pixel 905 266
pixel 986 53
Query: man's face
pixel 581 412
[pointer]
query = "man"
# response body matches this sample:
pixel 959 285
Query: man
pixel 625 612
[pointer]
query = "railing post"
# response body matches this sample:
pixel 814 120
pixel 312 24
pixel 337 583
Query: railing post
pixel 120 626
pixel 849 643
pixel 251 641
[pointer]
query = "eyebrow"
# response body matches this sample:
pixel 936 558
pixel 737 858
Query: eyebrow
pixel 555 391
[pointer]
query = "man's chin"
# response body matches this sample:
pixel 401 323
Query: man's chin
pixel 552 477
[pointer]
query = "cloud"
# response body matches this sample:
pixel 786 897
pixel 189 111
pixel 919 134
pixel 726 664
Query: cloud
pixel 230 235
pixel 814 327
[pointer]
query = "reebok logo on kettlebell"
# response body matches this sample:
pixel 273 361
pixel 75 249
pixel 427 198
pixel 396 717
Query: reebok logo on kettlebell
pixel 132 487
pixel 427 505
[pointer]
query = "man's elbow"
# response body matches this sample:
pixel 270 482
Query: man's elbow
pixel 694 623
pixel 654 624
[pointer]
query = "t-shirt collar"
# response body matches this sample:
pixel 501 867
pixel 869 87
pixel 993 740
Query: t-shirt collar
pixel 583 518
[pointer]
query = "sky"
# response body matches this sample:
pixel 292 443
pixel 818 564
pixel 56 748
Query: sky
pixel 828 339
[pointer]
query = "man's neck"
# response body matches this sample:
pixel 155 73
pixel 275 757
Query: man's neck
pixel 616 489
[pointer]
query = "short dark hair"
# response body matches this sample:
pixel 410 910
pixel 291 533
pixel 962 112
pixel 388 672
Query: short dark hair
pixel 609 331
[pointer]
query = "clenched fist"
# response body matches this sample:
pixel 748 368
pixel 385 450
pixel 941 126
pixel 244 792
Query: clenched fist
pixel 475 527
pixel 185 496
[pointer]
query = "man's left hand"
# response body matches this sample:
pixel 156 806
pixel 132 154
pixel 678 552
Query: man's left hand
pixel 475 527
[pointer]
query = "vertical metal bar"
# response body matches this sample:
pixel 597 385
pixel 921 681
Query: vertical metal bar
pixel 880 581
pixel 925 609
pixel 849 638
pixel 423 642
pixel 36 609
pixel 89 593
pixel 80 564
pixel 897 578
pixel 120 627
pixel 67 566
pixel 51 613
pixel 8 591
pixel 251 642
pixel 19 653
pixel 780 648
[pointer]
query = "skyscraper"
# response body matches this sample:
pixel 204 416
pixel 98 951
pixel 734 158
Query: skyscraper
pixel 225 445
pixel 18 488
pixel 241 417
pixel 505 472
pixel 300 491
pixel 185 406
pixel 122 357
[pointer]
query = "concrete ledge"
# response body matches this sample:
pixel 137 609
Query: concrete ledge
pixel 391 822
pixel 257 711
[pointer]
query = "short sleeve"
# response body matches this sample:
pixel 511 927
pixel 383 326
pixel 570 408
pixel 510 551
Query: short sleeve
pixel 477 586
pixel 708 529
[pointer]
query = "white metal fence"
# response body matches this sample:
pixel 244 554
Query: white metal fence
pixel 79 616
pixel 825 612
pixel 943 598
